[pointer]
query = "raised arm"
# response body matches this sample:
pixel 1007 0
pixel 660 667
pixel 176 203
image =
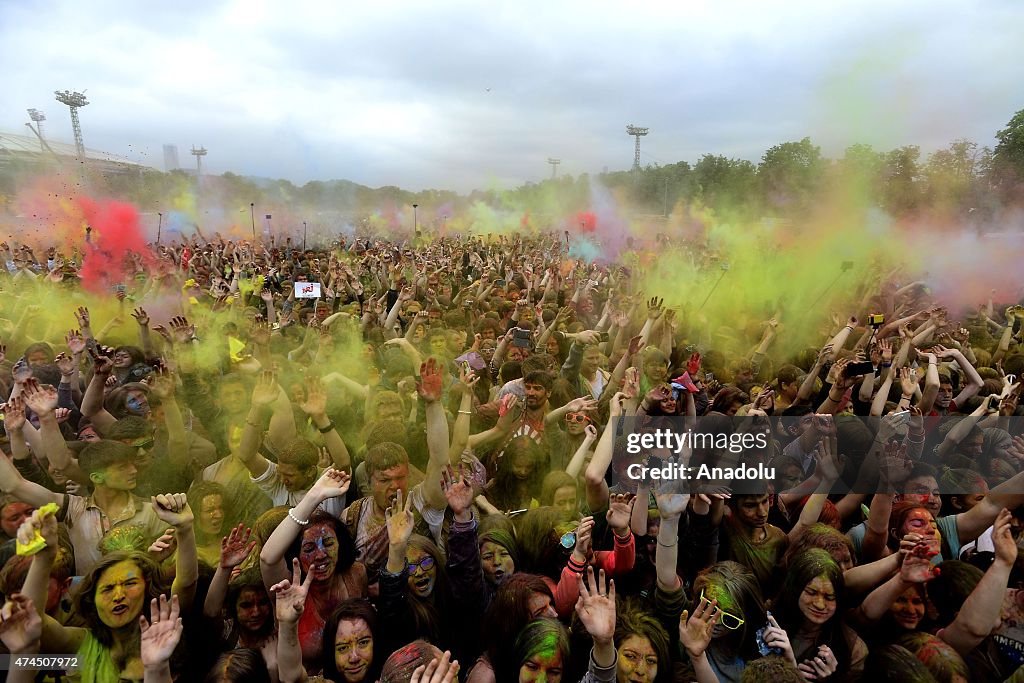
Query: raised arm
pixel 234 549
pixel 331 484
pixel 315 406
pixel 173 509
pixel 290 603
pixel 92 401
pixel 437 433
pixel 979 615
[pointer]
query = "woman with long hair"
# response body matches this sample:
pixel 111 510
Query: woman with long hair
pixel 811 607
pixel 323 547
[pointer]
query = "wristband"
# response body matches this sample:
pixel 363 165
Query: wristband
pixel 465 412
pixel 328 428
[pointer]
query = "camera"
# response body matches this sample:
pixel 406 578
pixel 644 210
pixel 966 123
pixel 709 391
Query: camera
pixel 876 320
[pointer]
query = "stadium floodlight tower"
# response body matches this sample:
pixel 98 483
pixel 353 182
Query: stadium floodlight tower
pixel 637 133
pixel 554 167
pixel 38 117
pixel 75 101
pixel 198 154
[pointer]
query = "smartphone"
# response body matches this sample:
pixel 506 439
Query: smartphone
pixel 762 646
pixel 709 377
pixel 858 369
pixel 499 283
pixel 604 336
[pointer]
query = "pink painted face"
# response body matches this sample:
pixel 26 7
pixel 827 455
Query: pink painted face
pixel 319 551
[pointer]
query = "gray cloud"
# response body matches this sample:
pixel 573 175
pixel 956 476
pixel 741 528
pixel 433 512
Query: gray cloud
pixel 396 92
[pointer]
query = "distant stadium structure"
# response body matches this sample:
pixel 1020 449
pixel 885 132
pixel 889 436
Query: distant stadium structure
pixel 24 151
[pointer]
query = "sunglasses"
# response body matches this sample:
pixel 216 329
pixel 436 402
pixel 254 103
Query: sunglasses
pixel 578 418
pixel 144 444
pixel 730 621
pixel 425 564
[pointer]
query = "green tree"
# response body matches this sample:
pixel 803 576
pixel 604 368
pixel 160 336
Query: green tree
pixel 791 173
pixel 903 186
pixel 1008 155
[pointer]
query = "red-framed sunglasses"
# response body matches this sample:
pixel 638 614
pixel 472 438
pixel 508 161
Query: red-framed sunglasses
pixel 578 418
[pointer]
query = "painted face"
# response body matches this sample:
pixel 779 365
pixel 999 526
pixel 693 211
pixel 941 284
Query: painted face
pixel 565 500
pixel 496 562
pixel 516 354
pixel 13 515
pixel 389 410
pixel 655 371
pixel 122 476
pixel 945 395
pixel 88 434
pixel 591 360
pixel 543 667
pixel 540 606
pixel 638 662
pixel 319 551
pixel 422 572
pixel 295 478
pixel 817 602
pixel 727 604
pixel 536 395
pixel 386 484
pixel 922 523
pixel 908 609
pixel 137 403
pixel 353 649
pixel 120 594
pixel 924 491
pixel 437 344
pixel 753 512
pixel 552 346
pixel 253 609
pixel 419 334
pixel 211 514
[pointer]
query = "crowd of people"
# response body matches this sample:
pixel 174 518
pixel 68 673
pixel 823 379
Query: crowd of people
pixel 419 476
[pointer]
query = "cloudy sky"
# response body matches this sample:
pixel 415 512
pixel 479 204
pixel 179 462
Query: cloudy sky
pixel 458 95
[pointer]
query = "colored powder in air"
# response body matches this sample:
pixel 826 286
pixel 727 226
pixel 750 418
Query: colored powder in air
pixel 115 233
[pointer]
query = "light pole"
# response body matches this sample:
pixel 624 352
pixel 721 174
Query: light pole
pixel 252 217
pixel 415 218
pixel 303 236
pixel 159 226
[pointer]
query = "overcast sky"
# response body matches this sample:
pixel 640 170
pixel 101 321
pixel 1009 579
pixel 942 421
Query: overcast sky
pixel 458 95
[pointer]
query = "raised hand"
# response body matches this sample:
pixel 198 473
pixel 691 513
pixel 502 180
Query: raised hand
pixel 509 411
pixel 236 546
pixel 66 364
pixel 290 596
pixel 442 670
pixel 695 630
pixel 580 404
pixel 583 539
pixel 82 316
pixel 266 390
pixel 141 317
pixel 399 521
pixel 908 381
pixel 1002 538
pixel 331 484
pixel 161 384
pixel 173 509
pixel 21 372
pixel 181 330
pixel 620 506
pixel 160 637
pixel 20 624
pixel 458 491
pixel 596 606
pixel 101 364
pixel 40 398
pixel 429 384
pixel 315 402
pixel 14 414
pixel 776 636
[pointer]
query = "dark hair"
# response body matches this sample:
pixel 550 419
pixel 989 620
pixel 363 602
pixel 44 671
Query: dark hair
pixel 197 494
pixel 85 597
pixel 507 614
pixel 822 536
pixel 950 588
pixel 299 453
pixel 386 431
pixel 538 538
pixel 771 669
pixel 541 377
pixel 510 370
pixel 239 666
pixel 249 579
pixel 399 666
pixel 895 664
pixel 507 491
pixel 741 585
pixel 346 546
pixel 803 569
pixel 552 482
pixel 535 637
pixel 129 427
pixel 358 608
pixel 99 455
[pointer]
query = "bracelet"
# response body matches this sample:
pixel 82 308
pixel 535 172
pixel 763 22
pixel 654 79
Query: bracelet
pixel 254 425
pixel 668 545
pixel 328 428
pixel 295 519
pixel 465 412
